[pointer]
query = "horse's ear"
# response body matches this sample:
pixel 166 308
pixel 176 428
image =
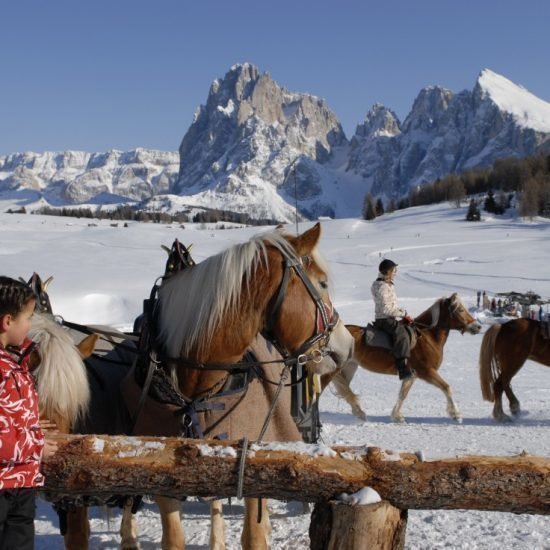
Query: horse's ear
pixel 166 249
pixel 46 283
pixel 454 296
pixel 308 240
pixel 87 346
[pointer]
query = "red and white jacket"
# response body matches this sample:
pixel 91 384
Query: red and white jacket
pixel 21 438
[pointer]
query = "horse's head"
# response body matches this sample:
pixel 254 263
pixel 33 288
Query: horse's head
pixel 40 288
pixel 275 284
pixel 457 315
pixel 301 317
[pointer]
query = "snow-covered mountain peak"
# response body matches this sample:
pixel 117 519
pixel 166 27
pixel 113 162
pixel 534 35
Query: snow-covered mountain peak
pixel 527 109
pixel 379 121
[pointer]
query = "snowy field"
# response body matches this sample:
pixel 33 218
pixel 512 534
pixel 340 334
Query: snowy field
pixel 102 273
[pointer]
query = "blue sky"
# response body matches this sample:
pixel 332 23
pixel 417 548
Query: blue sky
pixel 103 74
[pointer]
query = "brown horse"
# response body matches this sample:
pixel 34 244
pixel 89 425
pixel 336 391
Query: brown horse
pixel 504 350
pixel 434 325
pixel 206 318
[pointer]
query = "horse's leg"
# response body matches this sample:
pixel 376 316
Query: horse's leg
pixel 498 413
pixel 78 529
pixel 341 381
pixel 509 370
pixel 256 535
pixel 515 407
pixel 128 528
pixel 406 386
pixel 434 378
pixel 173 537
pixel 217 527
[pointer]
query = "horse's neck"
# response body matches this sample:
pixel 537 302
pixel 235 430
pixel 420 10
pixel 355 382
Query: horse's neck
pixel 227 346
pixel 431 318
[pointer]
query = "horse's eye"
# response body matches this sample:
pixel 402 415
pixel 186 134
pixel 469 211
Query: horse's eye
pixel 323 284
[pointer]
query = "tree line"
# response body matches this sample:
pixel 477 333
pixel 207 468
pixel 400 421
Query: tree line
pixel 128 213
pixel 527 179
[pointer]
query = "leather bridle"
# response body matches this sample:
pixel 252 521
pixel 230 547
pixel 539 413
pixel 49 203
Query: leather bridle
pixel 326 318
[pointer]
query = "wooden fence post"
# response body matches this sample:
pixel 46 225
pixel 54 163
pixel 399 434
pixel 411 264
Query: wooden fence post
pixel 339 526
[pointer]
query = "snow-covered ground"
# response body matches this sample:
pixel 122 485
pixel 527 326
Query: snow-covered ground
pixel 102 273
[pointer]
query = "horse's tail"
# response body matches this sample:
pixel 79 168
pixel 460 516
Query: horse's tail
pixel 62 383
pixel 489 366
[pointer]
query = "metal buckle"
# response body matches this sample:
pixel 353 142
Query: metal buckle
pixel 317 356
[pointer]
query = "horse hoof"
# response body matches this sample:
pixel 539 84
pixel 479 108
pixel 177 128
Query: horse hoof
pixel 457 419
pixel 359 413
pixel 398 419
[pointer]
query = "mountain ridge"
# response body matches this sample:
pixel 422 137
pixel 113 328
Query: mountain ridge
pixel 257 148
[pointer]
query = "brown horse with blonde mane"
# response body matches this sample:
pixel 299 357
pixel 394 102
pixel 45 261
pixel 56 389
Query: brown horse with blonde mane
pixel 433 326
pixel 504 350
pixel 206 319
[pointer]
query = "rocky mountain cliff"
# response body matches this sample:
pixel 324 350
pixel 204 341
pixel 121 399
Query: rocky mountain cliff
pixel 255 147
pixel 75 177
pixel 447 132
pixel 237 153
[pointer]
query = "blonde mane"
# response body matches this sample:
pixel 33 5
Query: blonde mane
pixel 193 302
pixel 62 384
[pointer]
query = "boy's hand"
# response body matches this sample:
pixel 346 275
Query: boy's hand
pixel 50 448
pixel 49 426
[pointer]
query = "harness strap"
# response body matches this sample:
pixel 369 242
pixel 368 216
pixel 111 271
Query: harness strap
pixel 86 329
pixel 240 366
pixel 244 449
pixel 145 391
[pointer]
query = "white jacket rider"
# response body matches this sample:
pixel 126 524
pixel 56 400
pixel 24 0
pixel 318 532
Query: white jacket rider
pixel 391 318
pixel 385 300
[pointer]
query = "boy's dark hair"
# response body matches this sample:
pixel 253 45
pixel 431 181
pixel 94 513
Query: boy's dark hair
pixel 14 296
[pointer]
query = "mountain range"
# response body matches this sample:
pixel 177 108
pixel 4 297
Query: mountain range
pixel 257 148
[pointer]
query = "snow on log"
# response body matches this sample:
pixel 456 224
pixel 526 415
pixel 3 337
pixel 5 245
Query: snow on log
pixel 176 467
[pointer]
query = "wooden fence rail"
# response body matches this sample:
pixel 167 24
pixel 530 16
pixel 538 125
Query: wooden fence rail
pixel 174 467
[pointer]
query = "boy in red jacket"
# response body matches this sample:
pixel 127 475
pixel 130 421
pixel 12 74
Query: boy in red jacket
pixel 21 438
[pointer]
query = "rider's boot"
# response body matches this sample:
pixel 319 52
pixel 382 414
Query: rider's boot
pixel 403 369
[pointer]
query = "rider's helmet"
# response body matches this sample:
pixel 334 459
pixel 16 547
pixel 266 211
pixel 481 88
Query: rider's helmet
pixel 386 266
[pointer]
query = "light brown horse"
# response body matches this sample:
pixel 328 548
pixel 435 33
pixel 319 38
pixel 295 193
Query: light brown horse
pixel 434 325
pixel 504 350
pixel 207 318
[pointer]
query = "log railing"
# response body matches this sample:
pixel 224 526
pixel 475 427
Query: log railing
pixel 174 467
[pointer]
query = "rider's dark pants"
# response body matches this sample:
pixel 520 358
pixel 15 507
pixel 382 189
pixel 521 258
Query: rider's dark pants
pixel 399 335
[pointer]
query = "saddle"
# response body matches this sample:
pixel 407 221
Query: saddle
pixel 379 339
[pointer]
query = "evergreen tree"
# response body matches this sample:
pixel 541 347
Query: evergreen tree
pixel 379 208
pixel 473 214
pixel 369 212
pixel 490 205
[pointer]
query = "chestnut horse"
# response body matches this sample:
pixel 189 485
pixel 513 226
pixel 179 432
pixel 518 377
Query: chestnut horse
pixel 206 318
pixel 504 350
pixel 433 325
